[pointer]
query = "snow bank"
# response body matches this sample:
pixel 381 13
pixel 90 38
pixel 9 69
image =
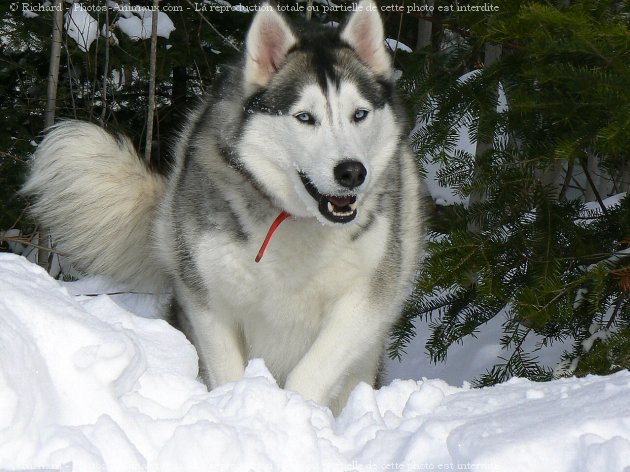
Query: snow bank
pixel 85 385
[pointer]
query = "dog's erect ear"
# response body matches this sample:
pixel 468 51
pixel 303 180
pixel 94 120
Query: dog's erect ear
pixel 364 33
pixel 268 40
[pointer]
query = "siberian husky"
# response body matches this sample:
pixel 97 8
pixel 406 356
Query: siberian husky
pixel 306 127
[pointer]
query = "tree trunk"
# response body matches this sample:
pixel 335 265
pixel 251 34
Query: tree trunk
pixel 43 256
pixel 492 53
pixel 425 29
pixel 554 177
pixel 595 188
pixel 105 69
pixel 152 66
pixel 53 71
pixel 624 183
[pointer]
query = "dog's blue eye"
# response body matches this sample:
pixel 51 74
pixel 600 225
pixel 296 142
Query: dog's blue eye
pixel 306 118
pixel 360 115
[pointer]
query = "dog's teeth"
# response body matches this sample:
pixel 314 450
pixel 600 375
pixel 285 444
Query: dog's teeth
pixel 335 212
pixel 342 213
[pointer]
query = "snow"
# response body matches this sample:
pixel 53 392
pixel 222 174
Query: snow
pixel 468 360
pixel 81 26
pixel 134 21
pixel 394 44
pixel 29 13
pixel 591 210
pixel 86 384
pixel 138 25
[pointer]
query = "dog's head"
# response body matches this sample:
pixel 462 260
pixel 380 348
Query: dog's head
pixel 320 125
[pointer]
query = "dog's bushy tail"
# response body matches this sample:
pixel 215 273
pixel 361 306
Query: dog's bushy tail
pixel 98 201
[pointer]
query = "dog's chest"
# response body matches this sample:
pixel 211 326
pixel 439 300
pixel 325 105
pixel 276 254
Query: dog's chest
pixel 306 268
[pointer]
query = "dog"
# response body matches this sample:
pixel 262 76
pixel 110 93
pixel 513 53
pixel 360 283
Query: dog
pixel 307 129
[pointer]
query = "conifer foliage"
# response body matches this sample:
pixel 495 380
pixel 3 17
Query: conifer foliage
pixel 536 240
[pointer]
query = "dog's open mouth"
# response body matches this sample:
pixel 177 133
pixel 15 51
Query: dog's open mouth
pixel 338 209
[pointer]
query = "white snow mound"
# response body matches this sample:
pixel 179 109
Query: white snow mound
pixel 87 386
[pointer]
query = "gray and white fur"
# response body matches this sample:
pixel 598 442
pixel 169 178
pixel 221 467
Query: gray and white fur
pixel 308 123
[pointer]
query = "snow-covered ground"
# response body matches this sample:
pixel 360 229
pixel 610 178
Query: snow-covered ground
pixel 86 385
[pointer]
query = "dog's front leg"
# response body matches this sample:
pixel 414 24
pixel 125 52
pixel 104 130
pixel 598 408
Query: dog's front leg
pixel 218 341
pixel 349 346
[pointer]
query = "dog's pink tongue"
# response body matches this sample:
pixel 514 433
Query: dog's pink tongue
pixel 279 219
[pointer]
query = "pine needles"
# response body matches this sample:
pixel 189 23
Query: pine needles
pixel 528 248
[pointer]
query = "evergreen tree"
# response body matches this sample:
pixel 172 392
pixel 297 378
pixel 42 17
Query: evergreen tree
pixel 535 241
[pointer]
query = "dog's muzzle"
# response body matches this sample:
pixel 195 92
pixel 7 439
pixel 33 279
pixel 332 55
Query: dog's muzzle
pixel 335 208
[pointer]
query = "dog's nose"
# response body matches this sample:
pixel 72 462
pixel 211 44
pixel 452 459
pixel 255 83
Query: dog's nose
pixel 350 174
